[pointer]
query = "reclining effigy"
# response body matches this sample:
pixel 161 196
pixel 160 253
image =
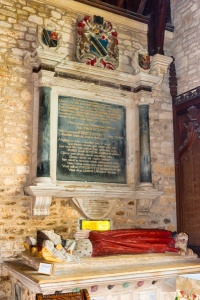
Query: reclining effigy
pixel 86 243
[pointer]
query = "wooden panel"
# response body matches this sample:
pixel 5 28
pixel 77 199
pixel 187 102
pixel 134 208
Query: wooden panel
pixel 190 182
pixel 187 164
pixel 82 295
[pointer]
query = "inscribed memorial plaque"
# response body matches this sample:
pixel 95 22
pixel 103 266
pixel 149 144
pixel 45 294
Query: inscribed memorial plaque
pixel 95 208
pixel 100 225
pixel 91 144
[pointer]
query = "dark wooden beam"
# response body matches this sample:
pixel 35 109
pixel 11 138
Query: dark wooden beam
pixel 156 28
pixel 173 80
pixel 151 35
pixel 120 3
pixel 141 7
pixel 116 10
pixel 163 8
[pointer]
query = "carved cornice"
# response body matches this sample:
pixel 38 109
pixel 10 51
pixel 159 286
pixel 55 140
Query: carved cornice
pixel 109 76
pixel 187 96
pixel 96 81
pixel 61 67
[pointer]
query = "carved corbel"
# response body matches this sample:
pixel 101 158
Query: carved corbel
pixel 48 58
pixel 41 57
pixel 160 64
pixel 42 197
pixel 143 206
pixel 42 205
pixel 32 60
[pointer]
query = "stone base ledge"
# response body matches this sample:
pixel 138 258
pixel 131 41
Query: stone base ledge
pixel 108 261
pixel 108 273
pixel 43 194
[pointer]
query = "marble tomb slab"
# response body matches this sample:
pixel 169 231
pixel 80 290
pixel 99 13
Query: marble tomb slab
pixel 109 261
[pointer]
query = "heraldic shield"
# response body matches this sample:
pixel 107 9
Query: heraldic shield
pixel 144 61
pixel 49 38
pixel 97 43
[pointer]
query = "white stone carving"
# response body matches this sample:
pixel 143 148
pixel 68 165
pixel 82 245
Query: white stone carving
pixel 135 61
pixel 68 78
pixel 44 192
pixel 95 208
pixel 160 64
pixel 145 186
pixel 111 76
pixel 143 206
pixel 41 205
pixel 135 270
pixel 43 56
pixel 144 98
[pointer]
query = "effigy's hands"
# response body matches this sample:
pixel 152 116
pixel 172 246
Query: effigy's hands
pixel 49 256
pixel 52 253
pixel 81 234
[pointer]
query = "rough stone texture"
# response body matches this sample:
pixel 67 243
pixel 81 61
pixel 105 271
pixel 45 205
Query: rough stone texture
pixel 18 26
pixel 186 21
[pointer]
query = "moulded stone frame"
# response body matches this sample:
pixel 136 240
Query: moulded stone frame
pixel 61 74
pixel 102 96
pixel 44 188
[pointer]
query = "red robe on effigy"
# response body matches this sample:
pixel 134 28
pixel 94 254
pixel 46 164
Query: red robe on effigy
pixel 131 241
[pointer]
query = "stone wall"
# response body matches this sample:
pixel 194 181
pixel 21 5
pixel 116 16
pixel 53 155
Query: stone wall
pixel 19 20
pixel 185 16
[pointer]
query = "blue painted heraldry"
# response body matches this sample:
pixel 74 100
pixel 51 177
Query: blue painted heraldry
pixel 97 43
pixel 49 38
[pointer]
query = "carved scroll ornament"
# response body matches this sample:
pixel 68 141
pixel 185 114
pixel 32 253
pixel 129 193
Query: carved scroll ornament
pixel 191 123
pixel 194 119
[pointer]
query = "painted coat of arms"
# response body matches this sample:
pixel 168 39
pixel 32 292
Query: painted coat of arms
pixel 141 61
pixel 49 38
pixel 97 43
pixel 144 61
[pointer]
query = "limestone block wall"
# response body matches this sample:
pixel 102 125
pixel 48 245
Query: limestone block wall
pixel 185 17
pixel 19 20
